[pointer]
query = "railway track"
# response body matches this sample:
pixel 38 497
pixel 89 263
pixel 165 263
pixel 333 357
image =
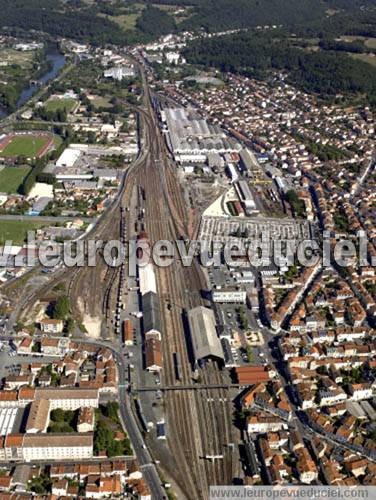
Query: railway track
pixel 195 429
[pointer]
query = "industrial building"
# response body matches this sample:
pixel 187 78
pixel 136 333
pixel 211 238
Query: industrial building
pixel 68 157
pixel 205 342
pixel 246 196
pixel 151 315
pixel 247 160
pixel 153 355
pixel 146 278
pixel 191 138
pixel 232 172
pixel 119 72
pixel 229 296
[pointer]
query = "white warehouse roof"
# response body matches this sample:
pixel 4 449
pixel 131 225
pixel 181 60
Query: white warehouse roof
pixel 68 158
pixel 147 281
pixel 7 420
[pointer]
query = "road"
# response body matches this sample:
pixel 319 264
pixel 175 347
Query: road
pixel 360 182
pixel 126 412
pixel 298 420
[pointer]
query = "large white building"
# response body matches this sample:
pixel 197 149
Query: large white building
pixel 191 138
pixel 229 296
pixel 258 424
pixel 119 72
pixel 147 280
pixel 65 398
pixel 70 398
pixel 361 391
pixel 7 420
pixel 32 447
pixel 68 157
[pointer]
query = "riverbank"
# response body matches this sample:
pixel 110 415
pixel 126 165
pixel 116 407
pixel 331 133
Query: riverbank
pixel 19 94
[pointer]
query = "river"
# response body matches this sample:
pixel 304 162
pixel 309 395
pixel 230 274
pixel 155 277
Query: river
pixel 57 61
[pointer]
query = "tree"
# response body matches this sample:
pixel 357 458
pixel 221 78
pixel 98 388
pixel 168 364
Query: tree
pixel 69 327
pixel 62 307
pixel 111 410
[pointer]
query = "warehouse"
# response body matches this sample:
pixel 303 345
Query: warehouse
pixel 68 158
pixel 232 172
pixel 229 296
pixel 151 315
pixel 245 195
pixel 128 332
pixel 247 160
pixel 368 409
pixel 355 409
pixel 248 375
pixel 205 342
pixel 192 138
pixel 147 281
pixel 153 355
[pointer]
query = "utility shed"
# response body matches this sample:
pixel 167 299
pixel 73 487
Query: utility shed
pixel 205 341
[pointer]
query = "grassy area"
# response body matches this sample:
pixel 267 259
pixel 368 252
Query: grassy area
pixel 11 178
pixel 371 43
pixel 60 105
pixel 12 56
pixel 126 21
pixel 365 58
pixel 57 141
pixel 101 102
pixel 16 230
pixel 368 41
pixel 28 146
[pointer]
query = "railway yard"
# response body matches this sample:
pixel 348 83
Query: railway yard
pixel 199 423
pixel 210 363
pixel 202 429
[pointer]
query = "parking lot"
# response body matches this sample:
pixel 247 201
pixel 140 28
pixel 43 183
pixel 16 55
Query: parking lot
pixel 10 361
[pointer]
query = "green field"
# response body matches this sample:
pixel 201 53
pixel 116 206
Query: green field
pixel 16 231
pixel 127 21
pixel 60 105
pixel 11 178
pixel 12 56
pixel 365 58
pixel 101 102
pixel 371 43
pixel 28 146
